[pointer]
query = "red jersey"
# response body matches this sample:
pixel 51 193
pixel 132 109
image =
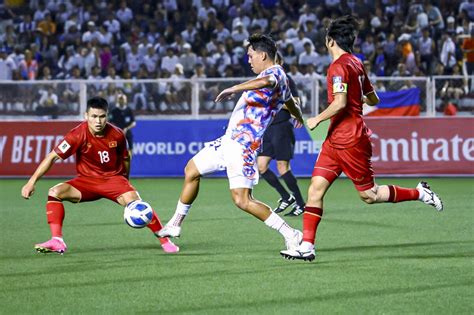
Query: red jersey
pixel 96 156
pixel 347 75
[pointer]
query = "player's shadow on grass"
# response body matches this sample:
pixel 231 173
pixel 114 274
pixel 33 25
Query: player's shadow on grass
pixel 388 246
pixel 97 224
pixel 360 223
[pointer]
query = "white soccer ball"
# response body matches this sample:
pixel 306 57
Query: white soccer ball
pixel 138 214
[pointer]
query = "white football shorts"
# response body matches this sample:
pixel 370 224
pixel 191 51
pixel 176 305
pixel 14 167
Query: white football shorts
pixel 227 154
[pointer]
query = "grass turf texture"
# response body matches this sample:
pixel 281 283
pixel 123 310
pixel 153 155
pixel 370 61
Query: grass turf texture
pixel 386 258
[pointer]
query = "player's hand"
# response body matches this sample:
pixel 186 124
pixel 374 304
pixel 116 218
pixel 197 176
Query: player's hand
pixel 226 94
pixel 297 124
pixel 312 123
pixel 28 190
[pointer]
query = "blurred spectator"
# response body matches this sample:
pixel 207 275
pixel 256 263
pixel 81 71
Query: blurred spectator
pixel 448 52
pixel 408 56
pixel 95 76
pixel 7 65
pixel 289 55
pixel 151 60
pixel 48 103
pixel 169 61
pixel 308 56
pixel 300 42
pixel 453 89
pixel 188 59
pixel 239 34
pixel 47 26
pixel 306 15
pixel 124 15
pixel 133 60
pixel 26 29
pixel 92 33
pixel 113 26
pixel 324 60
pixel 45 73
pixel 222 59
pixel 71 92
pixel 425 55
pixel 28 67
pixel 435 19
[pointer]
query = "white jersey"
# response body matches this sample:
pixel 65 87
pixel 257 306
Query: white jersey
pixel 256 108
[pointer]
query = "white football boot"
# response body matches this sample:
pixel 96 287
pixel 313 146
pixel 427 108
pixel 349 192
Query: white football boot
pixel 430 197
pixel 294 241
pixel 170 231
pixel 304 252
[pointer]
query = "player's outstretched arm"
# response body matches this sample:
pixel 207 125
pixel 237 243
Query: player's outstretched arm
pixel 29 188
pixel 293 106
pixel 254 84
pixel 371 98
pixel 340 101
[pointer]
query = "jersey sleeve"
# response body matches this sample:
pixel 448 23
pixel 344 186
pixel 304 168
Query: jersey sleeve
pixel 68 146
pixel 367 85
pixel 338 79
pixel 123 146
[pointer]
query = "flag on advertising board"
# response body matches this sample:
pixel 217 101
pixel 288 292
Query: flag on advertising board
pixel 397 103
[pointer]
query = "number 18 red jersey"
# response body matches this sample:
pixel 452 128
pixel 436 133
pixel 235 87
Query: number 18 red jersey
pixel 96 156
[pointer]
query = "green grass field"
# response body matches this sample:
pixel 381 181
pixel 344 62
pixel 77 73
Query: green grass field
pixel 380 259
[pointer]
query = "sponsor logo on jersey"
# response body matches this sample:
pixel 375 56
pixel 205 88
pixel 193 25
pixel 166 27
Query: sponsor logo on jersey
pixel 64 146
pixel 112 144
pixel 336 79
pixel 339 88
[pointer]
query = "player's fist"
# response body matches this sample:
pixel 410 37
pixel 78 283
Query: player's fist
pixel 27 191
pixel 296 123
pixel 225 94
pixel 312 123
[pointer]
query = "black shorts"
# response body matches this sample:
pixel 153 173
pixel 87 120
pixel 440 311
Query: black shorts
pixel 279 141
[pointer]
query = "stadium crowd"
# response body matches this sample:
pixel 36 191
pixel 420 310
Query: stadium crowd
pixel 84 39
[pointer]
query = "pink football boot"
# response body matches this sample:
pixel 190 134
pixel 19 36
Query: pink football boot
pixel 52 246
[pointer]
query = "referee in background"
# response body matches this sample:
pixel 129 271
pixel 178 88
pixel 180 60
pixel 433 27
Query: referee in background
pixel 279 144
pixel 122 117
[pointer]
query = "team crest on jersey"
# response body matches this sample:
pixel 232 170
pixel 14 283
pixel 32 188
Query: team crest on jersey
pixel 112 144
pixel 64 146
pixel 336 79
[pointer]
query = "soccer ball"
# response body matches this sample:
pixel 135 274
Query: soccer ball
pixel 138 214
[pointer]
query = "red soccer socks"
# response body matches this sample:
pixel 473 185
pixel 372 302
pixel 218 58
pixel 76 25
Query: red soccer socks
pixel 55 216
pixel 311 218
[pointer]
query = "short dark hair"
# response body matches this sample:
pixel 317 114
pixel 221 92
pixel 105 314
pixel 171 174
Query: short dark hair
pixel 343 31
pixel 263 43
pixel 97 102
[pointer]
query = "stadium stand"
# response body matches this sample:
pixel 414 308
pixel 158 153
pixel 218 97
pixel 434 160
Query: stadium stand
pixel 110 40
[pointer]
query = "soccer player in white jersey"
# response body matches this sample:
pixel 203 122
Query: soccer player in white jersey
pixel 236 150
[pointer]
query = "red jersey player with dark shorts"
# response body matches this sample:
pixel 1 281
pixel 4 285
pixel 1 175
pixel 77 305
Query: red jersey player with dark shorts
pixel 347 147
pixel 102 165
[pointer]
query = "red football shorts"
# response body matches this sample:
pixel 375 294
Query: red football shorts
pixel 354 162
pixel 96 188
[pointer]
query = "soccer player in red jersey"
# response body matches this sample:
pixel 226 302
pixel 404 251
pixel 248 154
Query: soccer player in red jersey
pixel 347 147
pixel 102 165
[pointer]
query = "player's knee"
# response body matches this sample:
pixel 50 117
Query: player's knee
pixel 262 169
pixel 240 201
pixel 283 168
pixel 54 192
pixel 191 172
